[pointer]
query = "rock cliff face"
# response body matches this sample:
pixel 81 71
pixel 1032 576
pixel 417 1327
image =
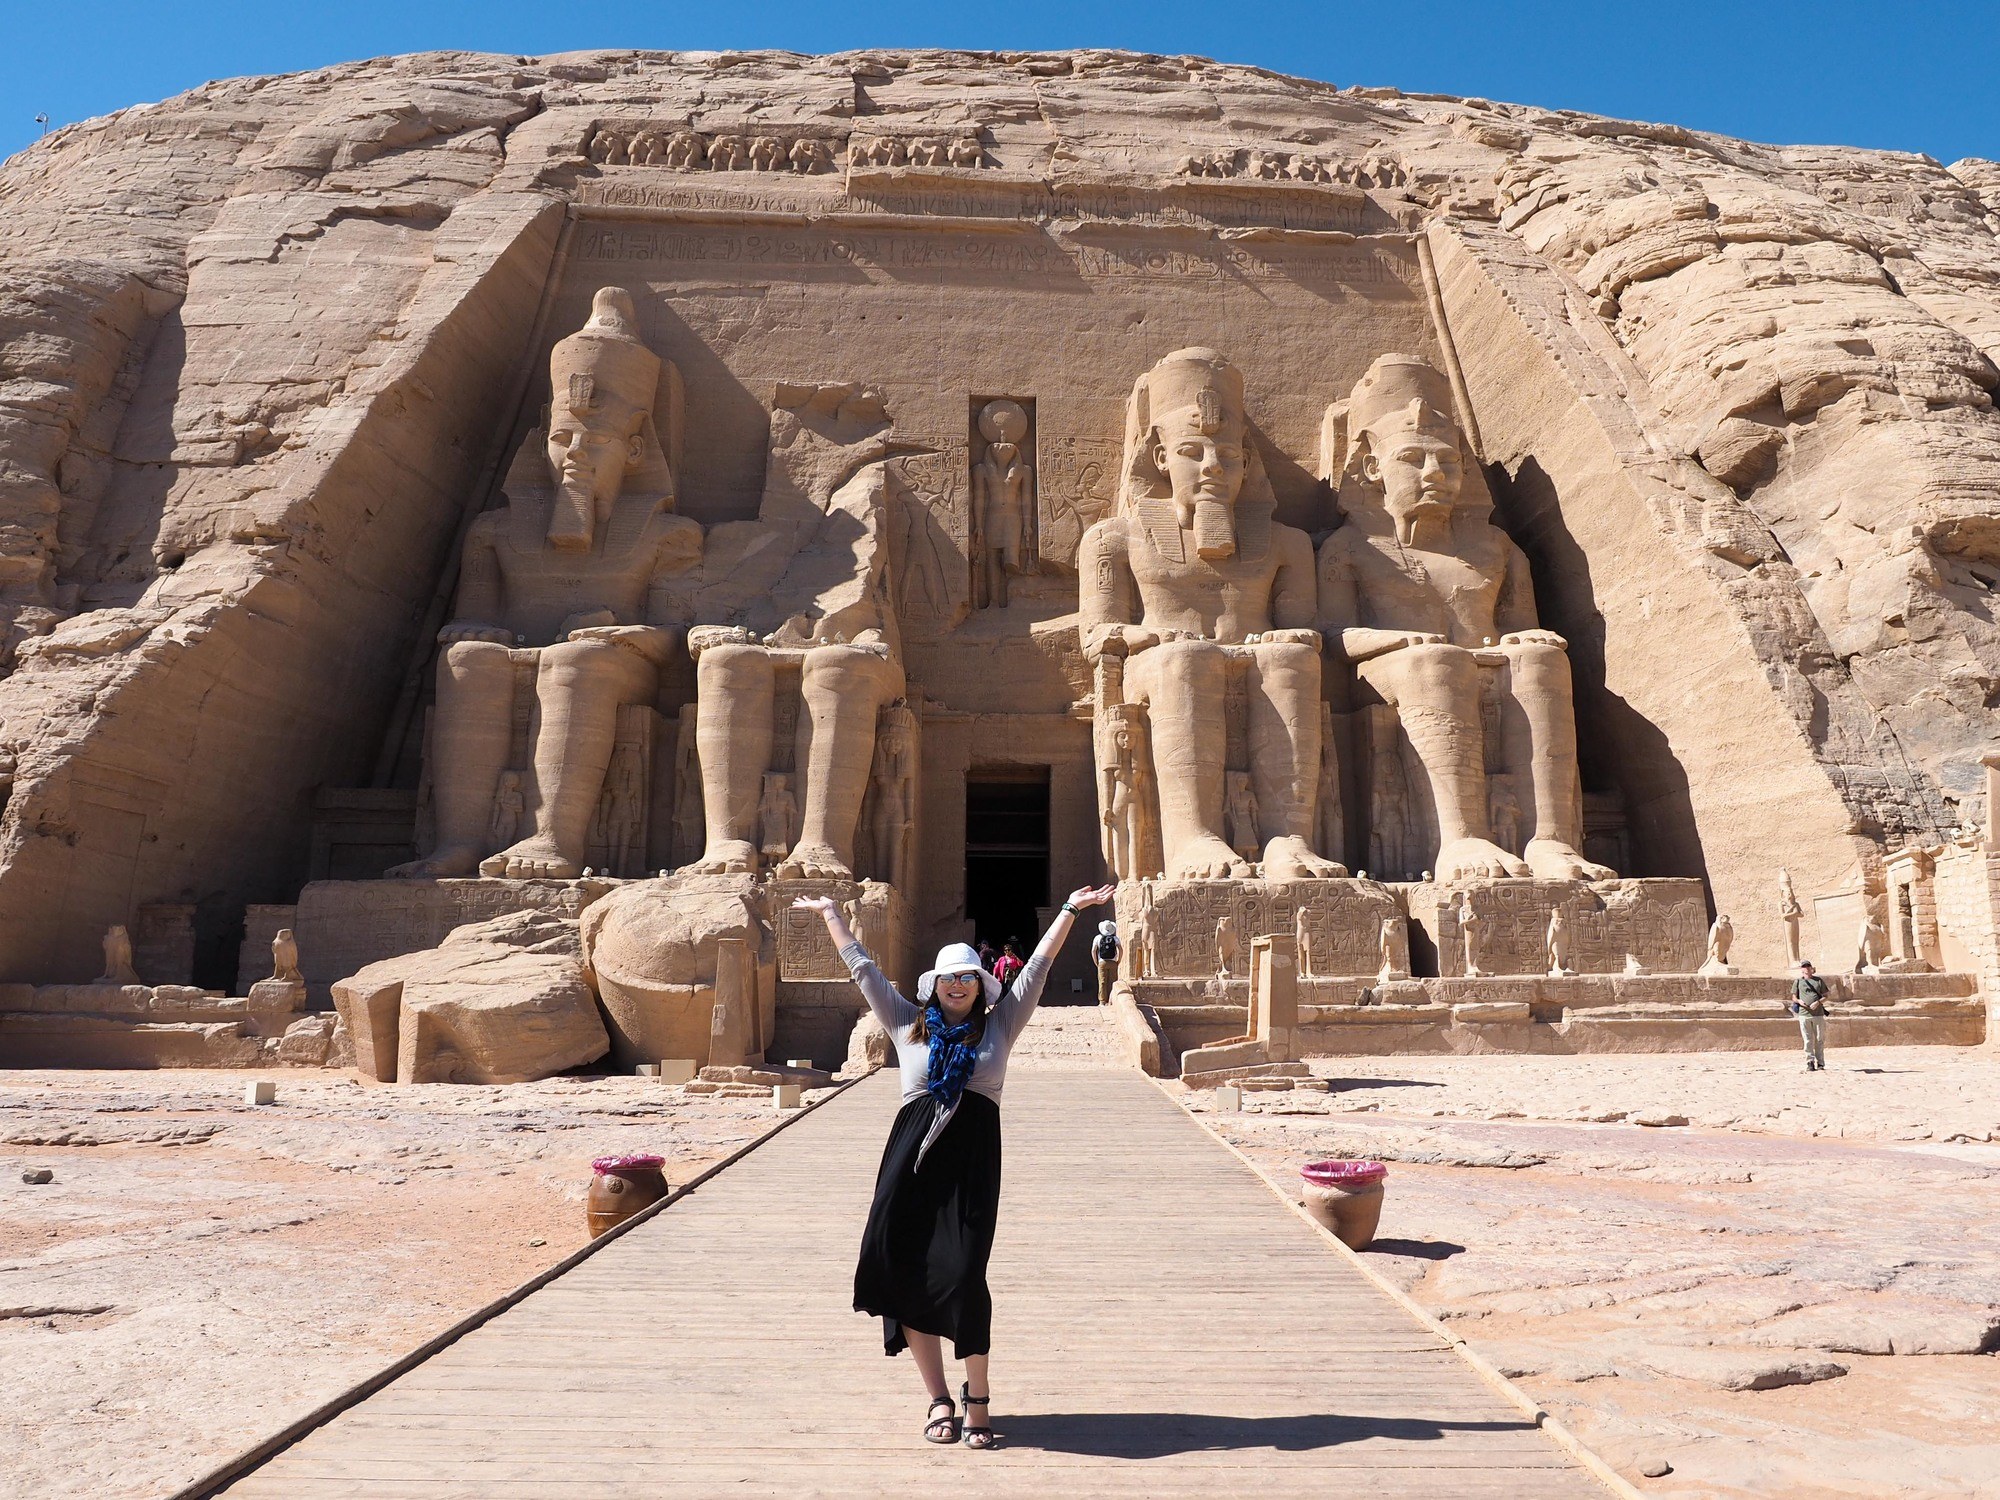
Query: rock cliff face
pixel 263 348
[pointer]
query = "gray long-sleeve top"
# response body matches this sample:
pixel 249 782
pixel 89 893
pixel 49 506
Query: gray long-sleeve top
pixel 1003 1023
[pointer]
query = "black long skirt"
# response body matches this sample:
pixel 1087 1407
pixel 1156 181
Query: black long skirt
pixel 930 1230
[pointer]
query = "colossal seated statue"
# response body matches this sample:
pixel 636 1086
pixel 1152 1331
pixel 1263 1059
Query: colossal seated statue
pixel 1425 596
pixel 1199 607
pixel 567 589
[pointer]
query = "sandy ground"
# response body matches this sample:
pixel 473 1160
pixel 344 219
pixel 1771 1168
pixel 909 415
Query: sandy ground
pixel 1782 1295
pixel 200 1272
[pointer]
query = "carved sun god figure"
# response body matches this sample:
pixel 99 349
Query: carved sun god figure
pixel 1194 582
pixel 577 569
pixel 1423 593
pixel 1003 486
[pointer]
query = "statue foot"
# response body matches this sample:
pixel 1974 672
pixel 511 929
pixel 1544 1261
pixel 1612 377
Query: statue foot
pixel 1288 857
pixel 1476 859
pixel 1211 859
pixel 532 859
pixel 814 862
pixel 1552 859
pixel 727 857
pixel 453 863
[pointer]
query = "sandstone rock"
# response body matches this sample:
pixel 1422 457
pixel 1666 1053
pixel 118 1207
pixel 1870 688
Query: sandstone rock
pixel 38 1176
pixel 869 1047
pixel 497 1002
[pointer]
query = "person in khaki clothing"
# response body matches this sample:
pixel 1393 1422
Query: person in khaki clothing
pixel 1809 1005
pixel 1104 950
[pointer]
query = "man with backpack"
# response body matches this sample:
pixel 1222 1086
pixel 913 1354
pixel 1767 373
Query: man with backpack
pixel 1809 1005
pixel 1104 948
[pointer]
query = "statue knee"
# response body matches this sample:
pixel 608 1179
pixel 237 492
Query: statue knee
pixel 1288 661
pixel 849 669
pixel 1539 667
pixel 468 661
pixel 1191 665
pixel 733 666
pixel 1439 670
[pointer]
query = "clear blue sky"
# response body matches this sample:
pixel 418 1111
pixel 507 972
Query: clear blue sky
pixel 1919 75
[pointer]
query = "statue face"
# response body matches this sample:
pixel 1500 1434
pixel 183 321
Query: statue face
pixel 1416 461
pixel 1199 465
pixel 589 453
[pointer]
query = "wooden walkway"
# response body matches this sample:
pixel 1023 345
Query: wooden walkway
pixel 1164 1327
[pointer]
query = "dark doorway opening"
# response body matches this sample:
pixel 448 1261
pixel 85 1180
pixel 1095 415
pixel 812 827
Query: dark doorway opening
pixel 1006 853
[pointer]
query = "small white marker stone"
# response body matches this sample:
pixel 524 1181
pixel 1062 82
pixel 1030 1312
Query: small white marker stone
pixel 648 1070
pixel 263 1091
pixel 1229 1096
pixel 676 1070
pixel 785 1095
pixel 798 1062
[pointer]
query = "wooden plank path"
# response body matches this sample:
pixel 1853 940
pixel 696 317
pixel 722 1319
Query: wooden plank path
pixel 1163 1327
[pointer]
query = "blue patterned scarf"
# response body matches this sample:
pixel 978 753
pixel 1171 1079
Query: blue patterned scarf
pixel 954 1051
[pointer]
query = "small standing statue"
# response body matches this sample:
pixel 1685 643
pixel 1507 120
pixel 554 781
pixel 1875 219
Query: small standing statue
pixel 1791 913
pixel 1241 809
pixel 1120 803
pixel 776 812
pixel 1871 943
pixel 118 959
pixel 1139 954
pixel 1721 934
pixel 1003 486
pixel 1469 935
pixel 1302 935
pixel 1226 947
pixel 1394 941
pixel 1558 945
pixel 285 957
pixel 508 804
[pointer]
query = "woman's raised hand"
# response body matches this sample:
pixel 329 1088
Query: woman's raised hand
pixel 826 906
pixel 1087 895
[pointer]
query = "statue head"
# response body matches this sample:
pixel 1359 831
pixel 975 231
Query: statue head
pixel 603 381
pixel 1187 441
pixel 1397 439
pixel 1003 424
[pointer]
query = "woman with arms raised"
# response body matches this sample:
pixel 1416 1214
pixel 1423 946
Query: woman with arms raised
pixel 937 1195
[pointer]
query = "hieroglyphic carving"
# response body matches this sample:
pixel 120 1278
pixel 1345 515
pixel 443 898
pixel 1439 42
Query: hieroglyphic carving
pixel 1663 923
pixel 1077 488
pixel 930 535
pixel 1339 921
pixel 1003 500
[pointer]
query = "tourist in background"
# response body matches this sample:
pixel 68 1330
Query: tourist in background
pixel 1104 952
pixel 1809 1005
pixel 937 1193
pixel 1008 964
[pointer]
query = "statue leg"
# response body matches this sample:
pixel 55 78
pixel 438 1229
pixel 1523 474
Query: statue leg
pixel 579 688
pixel 1184 687
pixel 1435 692
pixel 1543 733
pixel 471 731
pixel 1284 759
pixel 842 690
pixel 733 714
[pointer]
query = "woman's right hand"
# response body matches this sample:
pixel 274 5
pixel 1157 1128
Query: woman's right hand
pixel 826 906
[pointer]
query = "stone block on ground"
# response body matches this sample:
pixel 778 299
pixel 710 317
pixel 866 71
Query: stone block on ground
pixel 503 1001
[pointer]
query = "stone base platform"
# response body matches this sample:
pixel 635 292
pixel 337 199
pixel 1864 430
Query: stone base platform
pixel 159 1026
pixel 1585 1013
pixel 1343 922
pixel 1661 923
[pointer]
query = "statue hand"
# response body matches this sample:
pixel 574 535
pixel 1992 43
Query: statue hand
pixel 465 630
pixel 1291 637
pixel 1086 895
pixel 1534 638
pixel 1103 640
pixel 701 637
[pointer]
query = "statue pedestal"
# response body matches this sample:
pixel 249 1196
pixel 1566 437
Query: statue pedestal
pixel 1343 925
pixel 1662 923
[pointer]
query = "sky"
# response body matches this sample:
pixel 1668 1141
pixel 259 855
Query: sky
pixel 1911 75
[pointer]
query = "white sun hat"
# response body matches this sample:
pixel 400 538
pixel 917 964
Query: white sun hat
pixel 957 958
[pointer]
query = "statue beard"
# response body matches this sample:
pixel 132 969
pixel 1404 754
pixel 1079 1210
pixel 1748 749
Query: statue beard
pixel 1214 529
pixel 573 520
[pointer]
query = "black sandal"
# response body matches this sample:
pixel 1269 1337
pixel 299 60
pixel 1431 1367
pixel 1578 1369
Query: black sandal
pixel 942 1429
pixel 975 1437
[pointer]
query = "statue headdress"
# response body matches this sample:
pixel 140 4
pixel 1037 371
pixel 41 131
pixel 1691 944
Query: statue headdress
pixel 1205 383
pixel 1394 383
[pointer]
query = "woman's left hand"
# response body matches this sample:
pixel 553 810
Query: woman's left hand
pixel 1086 895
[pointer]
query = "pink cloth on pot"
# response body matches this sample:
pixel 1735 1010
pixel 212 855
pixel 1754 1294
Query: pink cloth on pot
pixel 639 1162
pixel 1343 1174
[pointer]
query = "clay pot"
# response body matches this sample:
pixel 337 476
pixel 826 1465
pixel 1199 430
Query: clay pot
pixel 1346 1197
pixel 622 1187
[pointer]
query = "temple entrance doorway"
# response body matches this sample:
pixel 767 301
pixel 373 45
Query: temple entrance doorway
pixel 1006 853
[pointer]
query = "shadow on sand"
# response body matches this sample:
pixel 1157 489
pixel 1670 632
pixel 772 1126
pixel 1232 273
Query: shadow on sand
pixel 1161 1434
